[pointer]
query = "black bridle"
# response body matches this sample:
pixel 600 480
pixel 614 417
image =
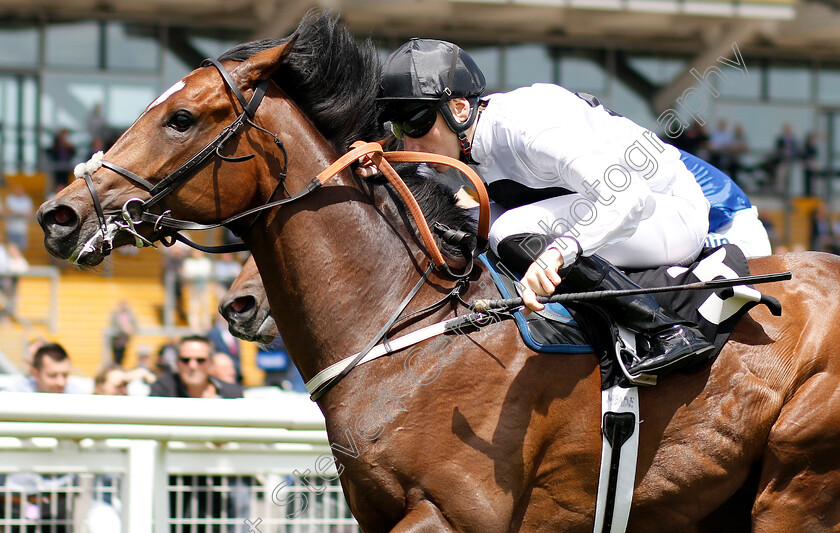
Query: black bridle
pixel 135 210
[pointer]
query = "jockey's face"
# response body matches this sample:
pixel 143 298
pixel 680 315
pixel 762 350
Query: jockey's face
pixel 440 139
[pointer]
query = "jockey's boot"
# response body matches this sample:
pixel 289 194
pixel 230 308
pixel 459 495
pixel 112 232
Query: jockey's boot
pixel 665 342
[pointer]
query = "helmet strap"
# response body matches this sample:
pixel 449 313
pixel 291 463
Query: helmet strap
pixel 466 146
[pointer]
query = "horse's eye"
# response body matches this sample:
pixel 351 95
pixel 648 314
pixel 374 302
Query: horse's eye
pixel 181 121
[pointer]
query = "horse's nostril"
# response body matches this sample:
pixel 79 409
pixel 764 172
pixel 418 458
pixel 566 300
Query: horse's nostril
pixel 242 304
pixel 63 215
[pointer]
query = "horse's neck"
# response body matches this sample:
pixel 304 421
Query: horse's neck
pixel 334 269
pixel 334 285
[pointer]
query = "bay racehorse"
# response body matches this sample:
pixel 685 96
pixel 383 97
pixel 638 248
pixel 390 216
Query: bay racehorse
pixel 468 432
pixel 245 307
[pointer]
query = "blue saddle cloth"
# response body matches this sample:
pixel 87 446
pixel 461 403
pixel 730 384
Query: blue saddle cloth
pixel 553 330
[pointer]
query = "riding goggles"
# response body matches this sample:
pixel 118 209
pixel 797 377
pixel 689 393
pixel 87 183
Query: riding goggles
pixel 415 122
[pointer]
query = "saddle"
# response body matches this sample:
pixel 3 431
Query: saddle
pixel 586 327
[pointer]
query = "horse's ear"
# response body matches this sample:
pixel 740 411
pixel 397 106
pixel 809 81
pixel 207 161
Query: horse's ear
pixel 262 65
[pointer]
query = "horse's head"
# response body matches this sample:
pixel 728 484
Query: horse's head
pixel 246 309
pixel 188 154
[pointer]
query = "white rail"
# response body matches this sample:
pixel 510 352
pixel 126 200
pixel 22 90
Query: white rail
pixel 289 411
pixel 145 441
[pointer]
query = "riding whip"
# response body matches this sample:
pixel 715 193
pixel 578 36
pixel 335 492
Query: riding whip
pixel 508 303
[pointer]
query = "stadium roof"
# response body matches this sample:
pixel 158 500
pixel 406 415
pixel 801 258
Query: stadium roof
pixel 702 29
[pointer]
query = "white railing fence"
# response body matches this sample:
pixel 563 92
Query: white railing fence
pixel 111 464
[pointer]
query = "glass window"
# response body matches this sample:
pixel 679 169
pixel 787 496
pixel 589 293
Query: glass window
pixel 828 86
pixel 211 47
pixel 659 70
pixel 487 59
pixel 528 64
pixel 29 124
pixel 743 84
pixel 789 83
pixel 628 103
pixel 579 73
pixel 127 102
pixel 73 44
pixel 131 46
pixel 19 46
pixel 174 68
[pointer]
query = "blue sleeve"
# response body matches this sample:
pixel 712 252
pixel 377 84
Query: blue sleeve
pixel 724 195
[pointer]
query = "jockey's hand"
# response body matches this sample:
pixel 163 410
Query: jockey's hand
pixel 464 200
pixel 541 279
pixel 366 167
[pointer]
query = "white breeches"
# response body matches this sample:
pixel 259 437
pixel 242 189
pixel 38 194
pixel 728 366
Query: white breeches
pixel 673 235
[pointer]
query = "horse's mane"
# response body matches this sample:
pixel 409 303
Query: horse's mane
pixel 334 79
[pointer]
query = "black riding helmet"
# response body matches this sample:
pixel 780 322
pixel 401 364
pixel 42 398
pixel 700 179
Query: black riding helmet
pixel 428 70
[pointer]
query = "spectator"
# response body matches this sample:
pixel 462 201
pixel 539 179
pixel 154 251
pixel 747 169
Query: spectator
pixel 49 372
pixel 227 344
pixel 787 149
pixel 96 145
pixel 194 378
pixel 824 232
pixel 772 234
pixel 123 326
pixel 97 128
pixel 197 271
pixel 809 155
pixel 141 377
pixel 103 516
pixel 167 357
pixel 18 213
pixel 720 145
pixel 224 368
pixel 12 265
pixel 112 381
pixel 693 140
pixel 173 262
pixel 737 149
pixel 61 154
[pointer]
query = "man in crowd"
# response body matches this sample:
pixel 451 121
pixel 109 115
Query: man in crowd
pixel 50 372
pixel 194 378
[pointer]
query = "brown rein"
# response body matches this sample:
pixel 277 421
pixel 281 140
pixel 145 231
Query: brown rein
pixel 382 159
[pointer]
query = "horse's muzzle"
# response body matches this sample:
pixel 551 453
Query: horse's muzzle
pixel 246 321
pixel 60 224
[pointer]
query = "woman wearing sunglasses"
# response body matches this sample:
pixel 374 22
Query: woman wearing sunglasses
pixel 576 181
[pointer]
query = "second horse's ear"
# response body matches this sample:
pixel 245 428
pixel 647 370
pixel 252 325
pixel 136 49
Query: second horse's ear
pixel 262 65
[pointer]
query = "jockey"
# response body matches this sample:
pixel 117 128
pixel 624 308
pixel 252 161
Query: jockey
pixel 575 179
pixel 732 217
